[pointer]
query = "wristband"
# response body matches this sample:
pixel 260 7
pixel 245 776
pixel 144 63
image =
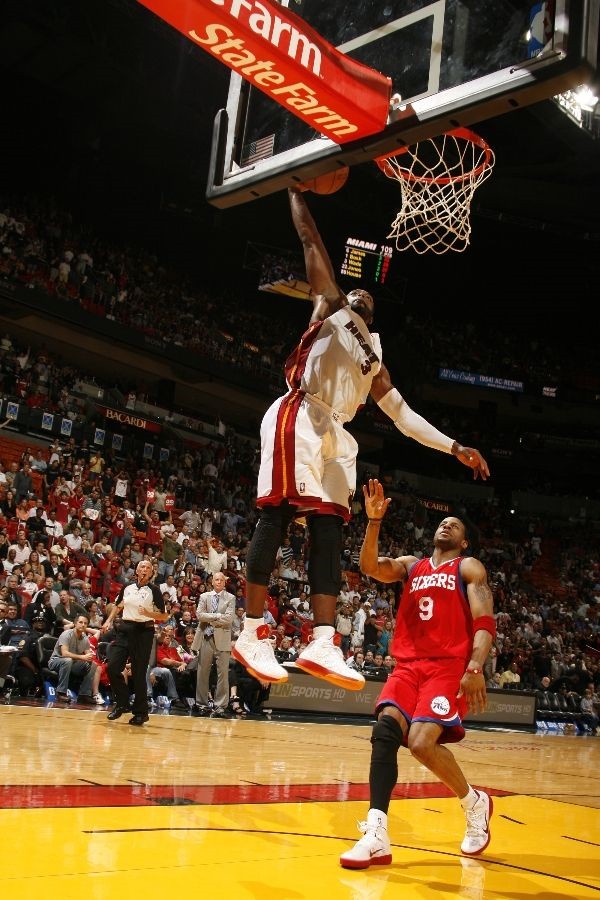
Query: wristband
pixel 474 671
pixel 376 520
pixel 485 623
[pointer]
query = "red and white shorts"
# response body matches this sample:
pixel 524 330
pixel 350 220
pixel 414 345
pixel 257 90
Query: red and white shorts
pixel 307 457
pixel 425 690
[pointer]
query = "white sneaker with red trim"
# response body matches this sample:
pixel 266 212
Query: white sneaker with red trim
pixel 477 835
pixel 324 659
pixel 257 655
pixel 373 849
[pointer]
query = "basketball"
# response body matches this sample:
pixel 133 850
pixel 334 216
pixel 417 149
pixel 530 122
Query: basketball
pixel 327 184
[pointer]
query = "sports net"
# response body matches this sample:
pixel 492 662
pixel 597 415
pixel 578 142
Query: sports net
pixel 438 178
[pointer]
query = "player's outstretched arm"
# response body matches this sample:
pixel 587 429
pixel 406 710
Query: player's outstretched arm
pixel 419 429
pixel 327 294
pixel 382 568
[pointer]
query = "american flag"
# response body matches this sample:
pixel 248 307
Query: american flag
pixel 256 150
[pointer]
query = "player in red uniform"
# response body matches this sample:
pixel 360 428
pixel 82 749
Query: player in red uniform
pixel 444 631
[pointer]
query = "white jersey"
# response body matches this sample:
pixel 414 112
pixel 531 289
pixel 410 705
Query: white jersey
pixel 307 456
pixel 336 361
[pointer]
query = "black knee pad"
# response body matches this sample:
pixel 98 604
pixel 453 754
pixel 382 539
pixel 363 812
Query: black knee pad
pixel 386 740
pixel 324 558
pixel 386 737
pixel 268 536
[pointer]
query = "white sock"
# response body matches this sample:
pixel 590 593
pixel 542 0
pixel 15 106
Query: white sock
pixel 470 799
pixel 252 625
pixel 323 631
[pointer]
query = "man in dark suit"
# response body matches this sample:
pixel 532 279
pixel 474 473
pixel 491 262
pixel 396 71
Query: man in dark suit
pixel 53 567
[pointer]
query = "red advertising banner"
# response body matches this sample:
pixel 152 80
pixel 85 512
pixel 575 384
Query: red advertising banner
pixel 281 55
pixel 116 415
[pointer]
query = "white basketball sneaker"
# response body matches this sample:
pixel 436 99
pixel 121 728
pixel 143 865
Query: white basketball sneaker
pixel 324 660
pixel 477 835
pixel 257 655
pixel 373 849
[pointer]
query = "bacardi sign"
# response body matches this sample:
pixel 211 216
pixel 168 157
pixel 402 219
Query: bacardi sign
pixel 123 418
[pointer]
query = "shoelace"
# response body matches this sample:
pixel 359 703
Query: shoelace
pixel 476 822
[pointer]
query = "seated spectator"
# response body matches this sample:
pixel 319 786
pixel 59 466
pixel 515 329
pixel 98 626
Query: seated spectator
pixel 375 666
pixel 53 567
pixel 357 661
pixel 67 611
pixel 22 548
pixel 27 669
pixel 510 676
pixel 73 657
pixel 169 655
pixel 54 528
pixel 250 693
pixel 10 561
pixel 389 663
pixel 283 653
pixel 13 627
pixel 41 606
pixel 34 566
pixel 94 613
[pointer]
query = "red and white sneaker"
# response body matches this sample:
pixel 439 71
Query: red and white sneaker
pixel 324 659
pixel 478 835
pixel 373 849
pixel 257 655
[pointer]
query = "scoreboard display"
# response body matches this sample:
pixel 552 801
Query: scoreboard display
pixel 366 261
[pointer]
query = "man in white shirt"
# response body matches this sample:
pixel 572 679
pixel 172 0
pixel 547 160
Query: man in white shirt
pixel 73 539
pixel 191 517
pixel 53 528
pixel 184 535
pixel 168 587
pixel 217 557
pixel 22 549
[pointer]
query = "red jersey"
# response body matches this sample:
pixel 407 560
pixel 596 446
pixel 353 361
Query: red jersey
pixel 118 527
pixel 164 652
pixel 62 511
pixel 434 617
pixel 153 535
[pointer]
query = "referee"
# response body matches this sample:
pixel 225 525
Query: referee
pixel 142 605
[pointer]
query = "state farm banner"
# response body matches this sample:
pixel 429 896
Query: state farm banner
pixel 280 54
pixel 116 415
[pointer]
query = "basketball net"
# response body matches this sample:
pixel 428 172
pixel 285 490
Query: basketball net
pixel 438 178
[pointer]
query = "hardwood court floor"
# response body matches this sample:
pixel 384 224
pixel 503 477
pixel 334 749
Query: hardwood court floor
pixel 262 809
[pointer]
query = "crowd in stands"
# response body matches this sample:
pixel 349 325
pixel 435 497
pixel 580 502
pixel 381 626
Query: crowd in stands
pixel 76 518
pixel 69 551
pixel 42 245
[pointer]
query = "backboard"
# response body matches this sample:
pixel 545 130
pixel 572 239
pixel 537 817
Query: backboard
pixel 453 63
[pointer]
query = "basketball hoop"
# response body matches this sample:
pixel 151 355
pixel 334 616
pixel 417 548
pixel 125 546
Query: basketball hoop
pixel 438 178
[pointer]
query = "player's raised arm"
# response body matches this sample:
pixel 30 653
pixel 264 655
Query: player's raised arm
pixel 327 294
pixel 382 568
pixel 419 429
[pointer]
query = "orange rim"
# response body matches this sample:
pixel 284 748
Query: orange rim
pixel 463 133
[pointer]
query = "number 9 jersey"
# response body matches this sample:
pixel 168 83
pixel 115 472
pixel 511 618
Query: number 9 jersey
pixel 434 617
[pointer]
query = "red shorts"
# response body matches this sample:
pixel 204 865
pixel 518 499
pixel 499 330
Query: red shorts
pixel 425 690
